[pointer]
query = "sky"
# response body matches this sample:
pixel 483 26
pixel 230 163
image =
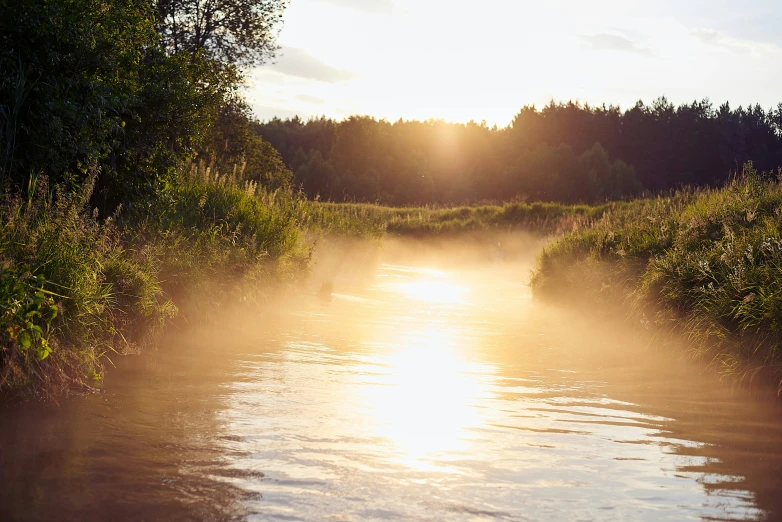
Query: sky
pixel 483 60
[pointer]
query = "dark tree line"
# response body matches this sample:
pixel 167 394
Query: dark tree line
pixel 565 152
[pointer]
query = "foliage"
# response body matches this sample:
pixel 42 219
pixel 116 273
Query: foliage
pixel 566 152
pixel 54 253
pixel 705 262
pixel 87 84
pixel 115 287
pixel 95 99
pixel 70 78
pixel 179 99
pixel 231 143
pixel 228 31
pixel 27 313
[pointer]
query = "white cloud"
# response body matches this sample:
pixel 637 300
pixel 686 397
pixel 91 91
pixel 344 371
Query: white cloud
pixel 298 62
pixel 372 6
pixel 736 45
pixel 306 98
pixel 613 42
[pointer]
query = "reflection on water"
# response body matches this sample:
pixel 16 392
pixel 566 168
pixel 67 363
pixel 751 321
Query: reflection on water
pixel 429 395
pixel 424 404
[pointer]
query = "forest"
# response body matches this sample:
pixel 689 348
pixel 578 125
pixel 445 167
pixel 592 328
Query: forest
pixel 565 152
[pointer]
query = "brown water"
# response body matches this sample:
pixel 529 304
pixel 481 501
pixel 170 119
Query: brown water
pixel 420 395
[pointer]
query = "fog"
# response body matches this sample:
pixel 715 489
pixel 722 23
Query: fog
pixel 405 380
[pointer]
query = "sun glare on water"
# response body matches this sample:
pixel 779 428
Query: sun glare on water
pixel 425 392
pixel 430 286
pixel 433 291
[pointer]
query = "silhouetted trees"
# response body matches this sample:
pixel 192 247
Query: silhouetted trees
pixel 236 32
pixel 564 152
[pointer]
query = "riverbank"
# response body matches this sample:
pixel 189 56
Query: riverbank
pixel 706 264
pixel 76 290
pixel 430 221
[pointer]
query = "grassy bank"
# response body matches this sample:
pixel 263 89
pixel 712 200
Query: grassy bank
pixel 373 220
pixel 705 263
pixel 74 290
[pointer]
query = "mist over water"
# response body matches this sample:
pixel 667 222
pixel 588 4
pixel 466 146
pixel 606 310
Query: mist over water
pixel 423 383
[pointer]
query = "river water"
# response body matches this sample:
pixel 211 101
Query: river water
pixel 419 394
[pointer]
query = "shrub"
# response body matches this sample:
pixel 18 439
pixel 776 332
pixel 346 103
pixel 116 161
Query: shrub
pixel 56 256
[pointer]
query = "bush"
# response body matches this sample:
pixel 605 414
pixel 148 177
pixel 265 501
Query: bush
pixel 54 253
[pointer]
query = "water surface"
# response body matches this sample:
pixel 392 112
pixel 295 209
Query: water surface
pixel 423 394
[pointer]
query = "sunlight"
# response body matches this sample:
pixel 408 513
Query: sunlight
pixel 517 53
pixel 432 291
pixel 427 285
pixel 424 400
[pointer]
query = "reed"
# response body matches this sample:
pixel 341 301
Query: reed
pixel 706 263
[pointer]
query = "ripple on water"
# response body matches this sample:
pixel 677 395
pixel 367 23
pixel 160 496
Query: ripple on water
pixel 426 395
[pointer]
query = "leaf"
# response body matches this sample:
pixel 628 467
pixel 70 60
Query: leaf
pixel 53 311
pixel 24 340
pixel 43 350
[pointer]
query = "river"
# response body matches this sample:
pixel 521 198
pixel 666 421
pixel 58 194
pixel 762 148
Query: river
pixel 422 393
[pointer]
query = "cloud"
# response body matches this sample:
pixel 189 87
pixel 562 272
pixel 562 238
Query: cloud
pixel 298 62
pixel 736 45
pixel 613 42
pixel 311 99
pixel 371 6
pixel 265 113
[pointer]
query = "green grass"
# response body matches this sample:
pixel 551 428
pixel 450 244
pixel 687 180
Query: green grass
pixel 216 240
pixel 74 290
pixel 368 220
pixel 706 263
pixel 54 255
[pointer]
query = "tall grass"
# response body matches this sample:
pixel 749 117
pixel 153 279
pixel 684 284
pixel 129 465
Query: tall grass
pixel 70 293
pixel 215 239
pixel 707 263
pixel 373 221
pixel 75 289
pixel 368 220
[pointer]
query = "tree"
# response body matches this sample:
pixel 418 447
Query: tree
pixel 235 32
pixel 70 79
pixel 233 146
pixel 86 86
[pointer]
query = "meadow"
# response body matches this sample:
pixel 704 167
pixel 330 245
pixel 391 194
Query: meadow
pixel 359 219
